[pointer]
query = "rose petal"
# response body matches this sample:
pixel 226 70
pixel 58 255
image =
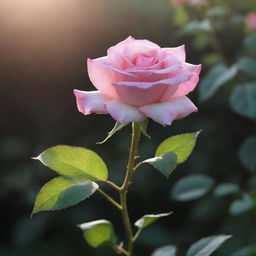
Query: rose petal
pixel 120 71
pixel 91 102
pixel 101 76
pixel 164 113
pixel 120 46
pixel 138 97
pixel 177 52
pixel 173 67
pixel 180 77
pixel 188 86
pixel 140 47
pixel 124 113
pixel 116 57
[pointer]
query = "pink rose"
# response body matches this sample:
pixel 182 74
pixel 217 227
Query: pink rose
pixel 138 79
pixel 250 20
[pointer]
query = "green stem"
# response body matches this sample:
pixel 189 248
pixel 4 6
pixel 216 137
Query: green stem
pixel 112 184
pixel 120 249
pixel 124 189
pixel 110 199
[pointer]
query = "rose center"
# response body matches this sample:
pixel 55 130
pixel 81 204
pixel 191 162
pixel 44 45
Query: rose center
pixel 144 61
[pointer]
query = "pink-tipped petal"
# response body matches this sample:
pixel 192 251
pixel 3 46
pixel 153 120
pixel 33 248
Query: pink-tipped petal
pixel 178 52
pixel 101 76
pixel 164 113
pixel 116 56
pixel 179 78
pixel 124 113
pixel 141 47
pixel 189 85
pixel 120 46
pixel 91 102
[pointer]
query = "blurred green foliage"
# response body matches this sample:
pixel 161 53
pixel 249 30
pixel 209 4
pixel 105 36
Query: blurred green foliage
pixel 44 46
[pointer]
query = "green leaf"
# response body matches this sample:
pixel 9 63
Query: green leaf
pixel 98 233
pixel 247 153
pixel 246 251
pixel 243 100
pixel 191 187
pixel 195 27
pixel 76 162
pixel 207 246
pixel 182 145
pixel 60 193
pixel 148 219
pixel 242 205
pixel 226 189
pixel 247 65
pixel 217 11
pixel 216 77
pixel 250 42
pixel 164 163
pixel 118 126
pixel 167 250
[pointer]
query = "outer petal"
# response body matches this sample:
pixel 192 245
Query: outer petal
pixel 102 77
pixel 189 85
pixel 177 52
pixel 124 113
pixel 164 113
pixel 91 102
pixel 186 87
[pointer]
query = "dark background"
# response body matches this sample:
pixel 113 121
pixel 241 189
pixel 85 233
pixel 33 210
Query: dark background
pixel 43 49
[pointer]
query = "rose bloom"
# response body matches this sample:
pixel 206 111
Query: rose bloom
pixel 139 79
pixel 250 20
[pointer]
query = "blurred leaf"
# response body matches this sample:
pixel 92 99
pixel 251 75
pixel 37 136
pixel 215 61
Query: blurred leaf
pixel 75 162
pixel 181 16
pixel 216 77
pixel 211 59
pixel 60 193
pixel 118 126
pixel 164 163
pixel 246 251
pixel 247 153
pixel 250 42
pixel 98 233
pixel 207 246
pixel 201 41
pixel 237 19
pixel 217 11
pixel 182 145
pixel 226 189
pixel 247 65
pixel 243 100
pixel 195 27
pixel 191 187
pixel 167 250
pixel 148 219
pixel 252 182
pixel 242 205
